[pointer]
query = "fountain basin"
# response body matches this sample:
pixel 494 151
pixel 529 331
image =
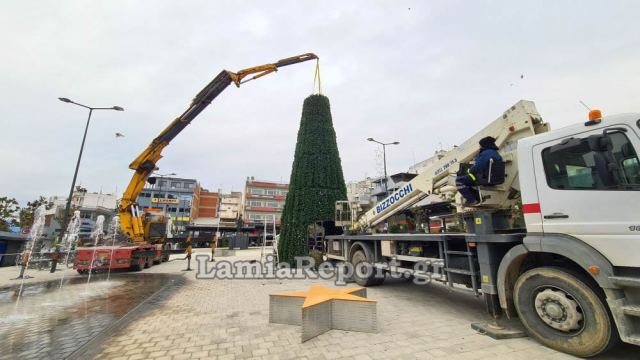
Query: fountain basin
pixel 53 322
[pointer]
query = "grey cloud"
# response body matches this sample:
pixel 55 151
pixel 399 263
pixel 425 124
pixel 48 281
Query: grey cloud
pixel 431 75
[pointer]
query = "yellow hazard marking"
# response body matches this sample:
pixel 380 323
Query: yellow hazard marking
pixel 478 221
pixel 485 278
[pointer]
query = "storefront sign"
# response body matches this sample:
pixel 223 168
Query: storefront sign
pixel 165 201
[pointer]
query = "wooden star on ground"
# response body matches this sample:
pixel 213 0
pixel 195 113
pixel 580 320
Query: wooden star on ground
pixel 320 309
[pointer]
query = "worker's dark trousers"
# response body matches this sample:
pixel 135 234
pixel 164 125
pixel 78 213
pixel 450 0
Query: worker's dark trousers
pixel 54 264
pixel 465 187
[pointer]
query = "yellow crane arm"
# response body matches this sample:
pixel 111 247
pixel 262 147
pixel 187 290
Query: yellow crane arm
pixel 143 165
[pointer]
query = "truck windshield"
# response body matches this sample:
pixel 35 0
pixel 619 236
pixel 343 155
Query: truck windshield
pixel 157 230
pixel 580 168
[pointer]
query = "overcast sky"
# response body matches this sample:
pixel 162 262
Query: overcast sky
pixel 424 73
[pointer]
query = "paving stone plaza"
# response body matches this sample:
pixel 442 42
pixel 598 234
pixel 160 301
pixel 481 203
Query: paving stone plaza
pixel 188 318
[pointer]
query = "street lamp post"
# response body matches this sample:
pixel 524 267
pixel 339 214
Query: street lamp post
pixel 384 157
pixel 84 137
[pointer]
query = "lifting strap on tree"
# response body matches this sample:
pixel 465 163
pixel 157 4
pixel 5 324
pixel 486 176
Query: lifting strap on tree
pixel 316 79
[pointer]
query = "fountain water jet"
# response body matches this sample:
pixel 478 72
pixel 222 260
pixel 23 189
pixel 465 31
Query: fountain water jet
pixel 96 234
pixel 34 235
pixel 114 227
pixel 71 238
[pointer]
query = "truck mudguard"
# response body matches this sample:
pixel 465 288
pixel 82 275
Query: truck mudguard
pixel 564 245
pixel 367 251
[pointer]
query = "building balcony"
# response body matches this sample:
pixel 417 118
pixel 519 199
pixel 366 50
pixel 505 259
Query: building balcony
pixel 260 223
pixel 265 197
pixel 262 209
pixel 266 184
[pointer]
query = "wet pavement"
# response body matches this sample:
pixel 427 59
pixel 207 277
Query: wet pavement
pixel 53 323
pixel 192 318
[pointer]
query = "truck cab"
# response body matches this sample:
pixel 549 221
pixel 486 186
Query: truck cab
pixel 580 189
pixel 584 181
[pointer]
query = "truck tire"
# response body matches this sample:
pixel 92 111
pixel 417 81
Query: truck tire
pixel 563 310
pixel 375 277
pixel 139 264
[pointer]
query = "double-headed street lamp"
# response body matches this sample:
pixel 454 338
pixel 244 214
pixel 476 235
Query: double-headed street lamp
pixel 75 174
pixel 384 156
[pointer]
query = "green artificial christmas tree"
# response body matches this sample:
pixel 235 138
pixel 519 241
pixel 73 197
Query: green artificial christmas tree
pixel 316 179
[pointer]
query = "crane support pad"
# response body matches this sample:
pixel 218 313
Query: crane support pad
pixel 500 329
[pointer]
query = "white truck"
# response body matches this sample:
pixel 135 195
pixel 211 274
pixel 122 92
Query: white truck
pixel 572 277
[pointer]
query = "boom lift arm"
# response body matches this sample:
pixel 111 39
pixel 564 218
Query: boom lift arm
pixel 519 121
pixel 130 217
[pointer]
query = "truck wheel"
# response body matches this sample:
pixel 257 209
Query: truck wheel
pixel 364 273
pixel 139 265
pixel 562 310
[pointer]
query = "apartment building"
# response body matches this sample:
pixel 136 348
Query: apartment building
pixel 263 200
pixel 90 204
pixel 174 196
pixel 359 192
pixel 205 204
pixel 231 207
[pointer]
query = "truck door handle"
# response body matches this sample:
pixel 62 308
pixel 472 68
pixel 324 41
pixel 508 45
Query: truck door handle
pixel 556 216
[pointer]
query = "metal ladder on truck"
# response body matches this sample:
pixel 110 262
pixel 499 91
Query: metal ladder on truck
pixel 470 254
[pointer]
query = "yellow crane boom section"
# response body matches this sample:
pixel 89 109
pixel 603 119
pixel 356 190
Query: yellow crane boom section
pixel 131 220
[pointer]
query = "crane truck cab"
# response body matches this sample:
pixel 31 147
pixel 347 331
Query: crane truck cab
pixel 572 275
pixel 584 181
pixel 579 263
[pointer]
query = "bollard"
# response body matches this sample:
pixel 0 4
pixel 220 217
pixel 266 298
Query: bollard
pixel 188 252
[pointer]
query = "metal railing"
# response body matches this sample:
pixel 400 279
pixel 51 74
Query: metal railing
pixel 38 261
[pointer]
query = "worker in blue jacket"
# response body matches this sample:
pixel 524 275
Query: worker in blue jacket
pixel 465 183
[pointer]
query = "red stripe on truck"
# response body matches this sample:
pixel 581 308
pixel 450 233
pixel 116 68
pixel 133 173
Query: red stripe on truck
pixel 531 208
